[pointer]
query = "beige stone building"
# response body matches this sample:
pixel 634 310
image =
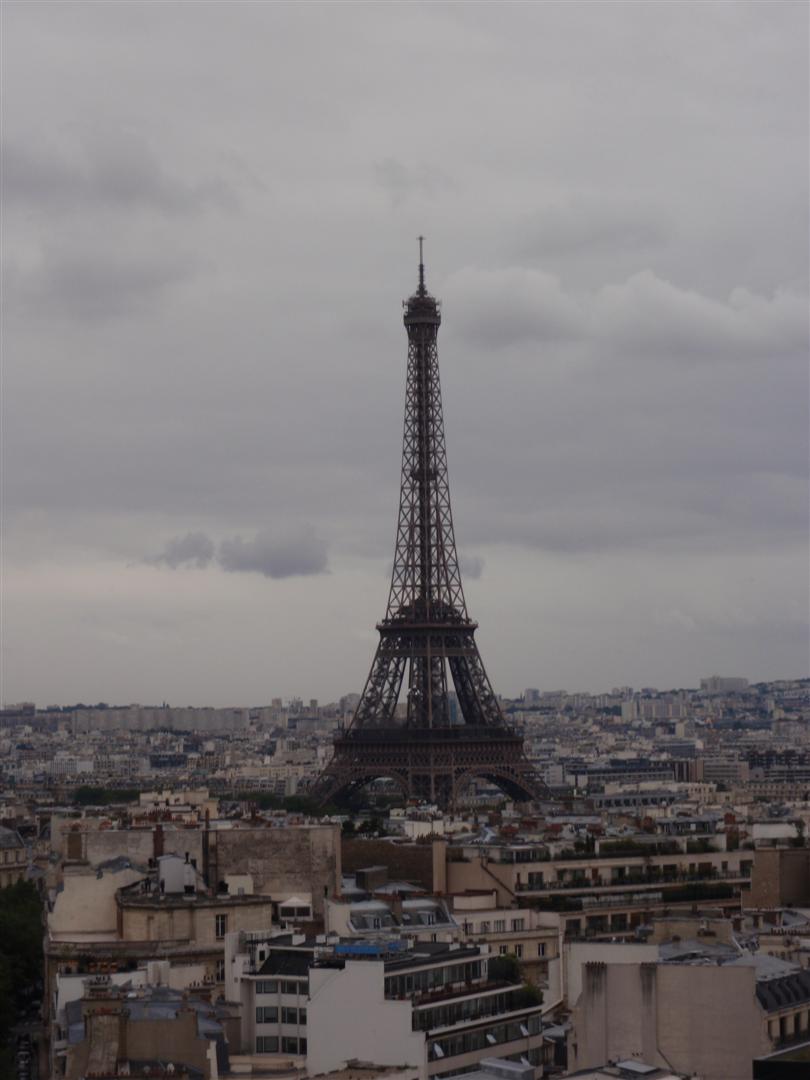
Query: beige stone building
pixel 592 894
pixel 517 931
pixel 712 1020
pixel 780 878
pixel 146 1029
pixel 282 862
pixel 115 919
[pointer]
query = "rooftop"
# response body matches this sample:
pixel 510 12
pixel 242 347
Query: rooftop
pixel 782 993
pixel 10 838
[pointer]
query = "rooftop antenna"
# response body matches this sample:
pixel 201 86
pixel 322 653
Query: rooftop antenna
pixel 422 289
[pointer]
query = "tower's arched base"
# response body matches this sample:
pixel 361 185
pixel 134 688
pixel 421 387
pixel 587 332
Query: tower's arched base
pixel 430 764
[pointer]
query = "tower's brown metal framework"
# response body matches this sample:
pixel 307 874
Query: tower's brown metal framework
pixel 428 749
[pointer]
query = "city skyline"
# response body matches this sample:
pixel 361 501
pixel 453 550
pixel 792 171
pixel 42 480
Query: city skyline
pixel 203 359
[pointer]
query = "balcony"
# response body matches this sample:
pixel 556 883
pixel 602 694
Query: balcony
pixel 458 990
pixel 649 880
pixel 689 892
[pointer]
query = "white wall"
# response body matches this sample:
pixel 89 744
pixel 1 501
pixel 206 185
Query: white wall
pixel 348 1017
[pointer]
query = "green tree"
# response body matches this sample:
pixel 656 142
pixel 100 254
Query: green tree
pixel 506 967
pixel 20 953
pixel 88 795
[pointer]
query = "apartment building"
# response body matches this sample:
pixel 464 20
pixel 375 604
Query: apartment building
pixel 694 1011
pixel 437 1006
pixel 513 931
pixel 113 918
pixel 148 1031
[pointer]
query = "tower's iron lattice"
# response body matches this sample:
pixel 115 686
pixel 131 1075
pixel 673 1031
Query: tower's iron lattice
pixel 429 746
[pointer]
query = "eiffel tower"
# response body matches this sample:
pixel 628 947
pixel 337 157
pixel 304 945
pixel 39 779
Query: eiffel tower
pixel 429 749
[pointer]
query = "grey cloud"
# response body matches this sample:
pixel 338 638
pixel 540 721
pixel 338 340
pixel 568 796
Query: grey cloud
pixel 519 304
pixel 586 225
pixel 275 555
pixel 286 553
pixel 94 284
pixel 402 181
pixel 646 311
pixel 471 566
pixel 194 549
pixel 502 306
pixel 113 171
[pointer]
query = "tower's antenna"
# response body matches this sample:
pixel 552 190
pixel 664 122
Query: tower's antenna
pixel 422 289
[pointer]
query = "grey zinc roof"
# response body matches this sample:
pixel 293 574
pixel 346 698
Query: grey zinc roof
pixel 776 994
pixel 10 838
pixel 696 951
pixel 766 967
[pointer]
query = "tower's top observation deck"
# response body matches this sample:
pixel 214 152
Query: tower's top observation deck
pixel 422 308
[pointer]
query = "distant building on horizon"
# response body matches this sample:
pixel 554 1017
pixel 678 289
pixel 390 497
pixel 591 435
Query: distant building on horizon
pixel 717 684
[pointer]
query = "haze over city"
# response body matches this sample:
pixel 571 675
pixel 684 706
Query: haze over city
pixel 210 222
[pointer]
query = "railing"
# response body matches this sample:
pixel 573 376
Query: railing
pixel 455 990
pixel 634 879
pixel 678 895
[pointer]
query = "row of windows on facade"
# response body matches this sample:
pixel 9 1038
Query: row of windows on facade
pixel 468 1009
pixel 272 1044
pixel 449 1047
pixel 432 978
pixel 517 950
pixel 269 1014
pixel 470 1041
pixel 281 986
pixel 498 926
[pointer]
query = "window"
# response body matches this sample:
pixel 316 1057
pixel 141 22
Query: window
pixel 503 950
pixel 220 925
pixel 266 1044
pixel 518 951
pixel 266 1014
pixel 518 924
pixel 302 1046
pixel 267 986
pixel 289 987
pixel 484 927
pixel 302 1016
pixel 289 1046
pixel 289 1016
pixel 541 949
pixel 500 926
pixel 220 970
pixel 287 912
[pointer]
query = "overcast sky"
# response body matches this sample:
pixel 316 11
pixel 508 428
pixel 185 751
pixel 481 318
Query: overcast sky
pixel 209 224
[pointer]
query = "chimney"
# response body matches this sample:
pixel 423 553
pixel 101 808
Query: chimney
pixel 157 841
